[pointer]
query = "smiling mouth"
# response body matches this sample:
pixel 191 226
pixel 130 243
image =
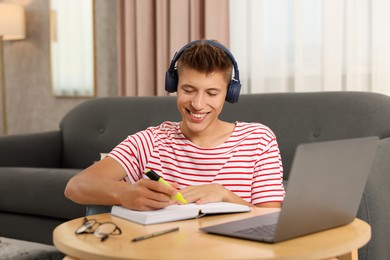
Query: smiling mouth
pixel 197 115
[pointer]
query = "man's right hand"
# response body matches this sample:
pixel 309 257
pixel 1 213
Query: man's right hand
pixel 146 194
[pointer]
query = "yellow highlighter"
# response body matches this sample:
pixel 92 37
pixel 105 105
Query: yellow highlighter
pixel 155 177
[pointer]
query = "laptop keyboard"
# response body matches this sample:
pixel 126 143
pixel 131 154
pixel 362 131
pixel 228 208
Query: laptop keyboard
pixel 259 231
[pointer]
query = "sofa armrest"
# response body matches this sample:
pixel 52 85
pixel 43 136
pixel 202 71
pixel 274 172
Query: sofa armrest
pixel 375 205
pixel 37 191
pixel 31 150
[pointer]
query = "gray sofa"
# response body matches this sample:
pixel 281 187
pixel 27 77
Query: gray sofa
pixel 35 168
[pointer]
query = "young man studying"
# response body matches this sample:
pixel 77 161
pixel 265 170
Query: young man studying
pixel 203 157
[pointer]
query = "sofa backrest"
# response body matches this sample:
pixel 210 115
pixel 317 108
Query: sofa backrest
pixel 98 125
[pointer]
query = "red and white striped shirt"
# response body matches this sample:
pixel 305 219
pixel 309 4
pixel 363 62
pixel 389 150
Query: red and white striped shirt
pixel 248 163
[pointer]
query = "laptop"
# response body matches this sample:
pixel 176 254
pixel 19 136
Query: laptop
pixel 326 184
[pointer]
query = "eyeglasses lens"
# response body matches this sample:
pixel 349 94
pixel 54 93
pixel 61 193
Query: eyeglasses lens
pixel 105 229
pixel 86 226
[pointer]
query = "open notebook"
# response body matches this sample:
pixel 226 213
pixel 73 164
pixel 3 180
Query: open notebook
pixel 177 212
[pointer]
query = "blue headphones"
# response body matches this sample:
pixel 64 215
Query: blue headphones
pixel 171 77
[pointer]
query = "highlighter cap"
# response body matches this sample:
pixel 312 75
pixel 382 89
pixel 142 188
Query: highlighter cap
pixel 152 175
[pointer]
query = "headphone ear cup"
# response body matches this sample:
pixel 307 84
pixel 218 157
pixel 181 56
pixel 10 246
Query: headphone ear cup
pixel 171 81
pixel 233 92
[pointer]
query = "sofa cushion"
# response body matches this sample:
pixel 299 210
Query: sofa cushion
pixel 28 227
pixel 37 191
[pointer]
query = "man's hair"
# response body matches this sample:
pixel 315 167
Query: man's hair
pixel 206 58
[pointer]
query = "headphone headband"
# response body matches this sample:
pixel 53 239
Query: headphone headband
pixel 171 77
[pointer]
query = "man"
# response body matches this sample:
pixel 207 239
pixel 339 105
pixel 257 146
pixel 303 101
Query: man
pixel 207 159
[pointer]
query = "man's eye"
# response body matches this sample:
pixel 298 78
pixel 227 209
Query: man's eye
pixel 188 90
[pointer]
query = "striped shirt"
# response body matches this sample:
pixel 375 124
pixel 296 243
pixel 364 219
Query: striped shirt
pixel 248 163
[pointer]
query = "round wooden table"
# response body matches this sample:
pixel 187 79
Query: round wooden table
pixel 190 243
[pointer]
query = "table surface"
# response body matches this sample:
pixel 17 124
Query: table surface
pixel 190 243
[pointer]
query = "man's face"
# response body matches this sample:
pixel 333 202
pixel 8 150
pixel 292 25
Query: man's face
pixel 200 99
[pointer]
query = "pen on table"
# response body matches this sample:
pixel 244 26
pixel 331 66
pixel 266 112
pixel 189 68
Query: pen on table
pixel 155 177
pixel 158 233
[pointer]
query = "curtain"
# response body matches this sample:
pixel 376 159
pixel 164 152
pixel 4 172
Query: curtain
pixel 311 45
pixel 151 31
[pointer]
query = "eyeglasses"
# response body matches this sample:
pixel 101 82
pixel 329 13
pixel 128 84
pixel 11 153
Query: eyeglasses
pixel 100 230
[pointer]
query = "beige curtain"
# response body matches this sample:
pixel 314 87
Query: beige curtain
pixel 151 31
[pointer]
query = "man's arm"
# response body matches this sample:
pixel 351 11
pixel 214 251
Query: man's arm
pixel 216 192
pixel 102 184
pixel 269 205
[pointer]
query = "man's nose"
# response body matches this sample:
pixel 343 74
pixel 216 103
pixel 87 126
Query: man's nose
pixel 198 101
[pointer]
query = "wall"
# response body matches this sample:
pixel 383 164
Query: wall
pixel 30 104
